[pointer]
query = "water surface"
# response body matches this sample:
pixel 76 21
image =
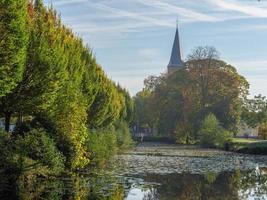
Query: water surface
pixel 154 171
pixel 160 171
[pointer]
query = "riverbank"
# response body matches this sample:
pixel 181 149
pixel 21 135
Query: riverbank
pixel 154 170
pixel 248 146
pixel 239 145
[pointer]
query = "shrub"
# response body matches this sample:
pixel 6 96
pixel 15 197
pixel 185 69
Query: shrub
pixel 124 136
pixel 212 134
pixel 7 161
pixel 102 145
pixel 37 145
pixel 183 134
pixel 9 166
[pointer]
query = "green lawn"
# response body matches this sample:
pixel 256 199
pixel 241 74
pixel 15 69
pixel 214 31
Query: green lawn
pixel 252 146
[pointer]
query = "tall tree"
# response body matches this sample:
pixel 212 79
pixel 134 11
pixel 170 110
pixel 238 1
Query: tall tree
pixel 63 88
pixel 179 102
pixel 13 43
pixel 220 88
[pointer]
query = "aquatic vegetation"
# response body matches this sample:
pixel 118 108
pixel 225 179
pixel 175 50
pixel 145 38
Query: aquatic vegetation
pixel 183 172
pixel 184 159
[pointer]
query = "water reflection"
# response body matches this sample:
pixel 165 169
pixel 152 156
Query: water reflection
pixel 68 188
pixel 210 186
pixel 236 185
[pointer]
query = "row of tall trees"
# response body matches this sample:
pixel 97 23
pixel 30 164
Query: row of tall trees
pixel 13 43
pixel 51 78
pixel 176 104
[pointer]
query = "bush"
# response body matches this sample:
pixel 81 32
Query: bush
pixel 37 145
pixel 9 166
pixel 102 144
pixel 212 134
pixel 124 136
pixel 183 134
pixel 7 154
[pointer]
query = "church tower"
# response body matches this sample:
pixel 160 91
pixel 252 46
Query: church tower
pixel 176 62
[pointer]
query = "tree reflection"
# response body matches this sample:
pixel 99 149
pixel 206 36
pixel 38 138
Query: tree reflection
pixel 152 194
pixel 254 184
pixel 71 187
pixel 223 186
pixel 210 186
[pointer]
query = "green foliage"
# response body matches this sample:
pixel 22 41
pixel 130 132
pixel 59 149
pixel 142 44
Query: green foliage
pixel 173 105
pixel 46 189
pixel 254 111
pixel 46 61
pixel 183 134
pixel 27 157
pixel 143 113
pixel 37 145
pixel 63 88
pixel 107 107
pixel 13 41
pixel 123 134
pixel 212 134
pixel 127 112
pixel 7 155
pixel 210 177
pixel 251 146
pixel 176 104
pixel 68 117
pixel 102 145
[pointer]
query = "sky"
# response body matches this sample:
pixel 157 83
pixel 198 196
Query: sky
pixel 132 39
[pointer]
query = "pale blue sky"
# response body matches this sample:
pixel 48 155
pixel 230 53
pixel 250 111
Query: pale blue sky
pixel 132 39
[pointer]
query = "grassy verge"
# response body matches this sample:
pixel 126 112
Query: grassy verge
pixel 250 146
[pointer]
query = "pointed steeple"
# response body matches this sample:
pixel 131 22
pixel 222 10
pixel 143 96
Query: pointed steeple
pixel 176 59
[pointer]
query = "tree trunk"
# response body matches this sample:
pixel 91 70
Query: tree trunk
pixel 7 121
pixel 19 122
pixel 20 119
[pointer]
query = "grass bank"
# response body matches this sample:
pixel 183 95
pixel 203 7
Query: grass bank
pixel 250 146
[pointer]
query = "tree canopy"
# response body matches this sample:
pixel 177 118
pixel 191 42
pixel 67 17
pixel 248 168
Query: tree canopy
pixel 177 103
pixel 13 43
pixel 54 80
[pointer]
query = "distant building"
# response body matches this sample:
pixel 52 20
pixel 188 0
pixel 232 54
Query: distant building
pixel 244 130
pixel 176 62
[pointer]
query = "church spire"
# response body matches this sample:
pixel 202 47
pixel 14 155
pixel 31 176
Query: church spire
pixel 176 60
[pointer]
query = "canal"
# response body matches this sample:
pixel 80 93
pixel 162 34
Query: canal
pixel 157 171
